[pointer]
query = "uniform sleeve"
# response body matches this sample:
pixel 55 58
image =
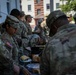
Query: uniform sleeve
pixel 6 64
pixel 45 62
pixel 24 31
pixel 48 60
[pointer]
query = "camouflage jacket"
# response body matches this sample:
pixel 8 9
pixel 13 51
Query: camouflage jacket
pixel 6 63
pixel 22 30
pixel 59 55
pixel 39 30
pixel 28 28
pixel 22 34
pixel 12 46
pixel 27 40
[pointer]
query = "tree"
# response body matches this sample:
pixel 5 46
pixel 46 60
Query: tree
pixel 73 4
pixel 69 6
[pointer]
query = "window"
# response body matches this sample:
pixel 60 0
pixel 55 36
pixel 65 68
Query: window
pixel 57 5
pixel 29 7
pixel 37 1
pixel 47 6
pixel 38 11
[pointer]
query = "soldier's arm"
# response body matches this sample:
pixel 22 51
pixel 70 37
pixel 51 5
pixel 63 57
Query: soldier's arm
pixel 45 62
pixel 48 59
pixel 5 60
pixel 24 31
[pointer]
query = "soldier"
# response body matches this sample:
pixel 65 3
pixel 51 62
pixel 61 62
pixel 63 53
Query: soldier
pixel 70 18
pixel 59 55
pixel 39 30
pixel 33 36
pixel 74 17
pixel 22 16
pixel 44 26
pixel 6 63
pixel 21 34
pixel 11 25
pixel 28 19
pixel 22 31
pixel 27 40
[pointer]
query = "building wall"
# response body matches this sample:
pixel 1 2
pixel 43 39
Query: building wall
pixel 39 6
pixel 14 4
pixel 45 10
pixel 25 7
pixel 54 4
pixel 3 8
pixel 34 6
pixel 63 2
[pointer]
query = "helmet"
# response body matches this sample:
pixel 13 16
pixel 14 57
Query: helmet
pixel 11 18
pixel 13 21
pixel 53 16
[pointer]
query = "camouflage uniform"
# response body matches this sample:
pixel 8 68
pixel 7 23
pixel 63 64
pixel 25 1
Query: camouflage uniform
pixel 16 50
pixel 8 39
pixel 6 63
pixel 22 30
pixel 28 28
pixel 22 33
pixel 39 30
pixel 27 39
pixel 28 19
pixel 8 50
pixel 33 38
pixel 59 56
pixel 44 27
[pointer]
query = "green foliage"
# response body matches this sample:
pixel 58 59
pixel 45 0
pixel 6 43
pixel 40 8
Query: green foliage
pixel 65 8
pixel 69 6
pixel 73 4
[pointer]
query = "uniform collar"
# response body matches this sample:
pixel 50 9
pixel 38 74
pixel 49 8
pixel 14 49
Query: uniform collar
pixel 66 26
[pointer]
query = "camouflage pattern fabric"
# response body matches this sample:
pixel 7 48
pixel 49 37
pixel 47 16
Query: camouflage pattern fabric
pixel 13 21
pixel 6 63
pixel 22 30
pixel 23 34
pixel 53 16
pixel 39 30
pixel 59 55
pixel 28 28
pixel 13 47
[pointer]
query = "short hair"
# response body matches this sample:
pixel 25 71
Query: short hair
pixel 15 12
pixel 28 16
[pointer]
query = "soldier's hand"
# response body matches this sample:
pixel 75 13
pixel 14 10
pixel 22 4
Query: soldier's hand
pixel 26 72
pixel 16 69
